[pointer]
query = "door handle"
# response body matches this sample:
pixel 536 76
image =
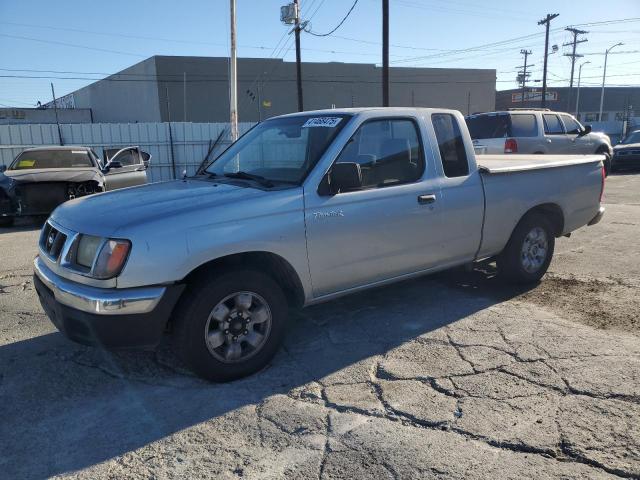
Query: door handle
pixel 425 199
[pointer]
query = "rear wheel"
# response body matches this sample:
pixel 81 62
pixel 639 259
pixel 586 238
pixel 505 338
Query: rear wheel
pixel 229 326
pixel 528 253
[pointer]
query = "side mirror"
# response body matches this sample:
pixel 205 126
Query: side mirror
pixel 344 177
pixel 3 168
pixel 585 131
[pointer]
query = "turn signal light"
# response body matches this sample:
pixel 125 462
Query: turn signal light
pixel 112 258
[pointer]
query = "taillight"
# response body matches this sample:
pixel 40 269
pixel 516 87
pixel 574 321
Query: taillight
pixel 510 145
pixel 604 175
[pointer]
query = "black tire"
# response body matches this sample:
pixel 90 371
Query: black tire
pixel 192 314
pixel 6 222
pixel 607 165
pixel 606 162
pixel 511 262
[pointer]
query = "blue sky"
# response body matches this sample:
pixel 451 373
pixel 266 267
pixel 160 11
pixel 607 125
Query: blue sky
pixel 39 38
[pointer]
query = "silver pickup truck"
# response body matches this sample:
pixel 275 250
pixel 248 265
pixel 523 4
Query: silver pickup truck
pixel 302 209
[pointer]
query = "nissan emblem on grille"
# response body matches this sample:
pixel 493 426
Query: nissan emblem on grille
pixel 50 239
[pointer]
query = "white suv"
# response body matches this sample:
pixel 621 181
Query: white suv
pixel 535 131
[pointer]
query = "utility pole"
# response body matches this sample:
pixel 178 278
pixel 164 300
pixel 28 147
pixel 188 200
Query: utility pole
pixel 184 94
pixel 578 95
pixel 233 76
pixel 298 56
pixel 523 75
pixel 604 76
pixel 546 22
pixel 55 108
pixel 385 53
pixel 173 157
pixel 573 56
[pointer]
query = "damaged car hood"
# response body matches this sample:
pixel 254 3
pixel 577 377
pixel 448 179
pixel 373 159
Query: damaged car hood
pixel 75 175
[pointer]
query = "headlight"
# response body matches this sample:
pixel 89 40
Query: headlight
pixel 87 249
pixel 111 258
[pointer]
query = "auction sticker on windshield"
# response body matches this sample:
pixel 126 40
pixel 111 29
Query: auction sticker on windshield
pixel 322 122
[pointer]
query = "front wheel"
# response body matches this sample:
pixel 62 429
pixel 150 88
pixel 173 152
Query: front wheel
pixel 528 253
pixel 229 326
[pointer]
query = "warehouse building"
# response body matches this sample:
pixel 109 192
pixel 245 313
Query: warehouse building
pixel 19 115
pixel 618 105
pixel 195 89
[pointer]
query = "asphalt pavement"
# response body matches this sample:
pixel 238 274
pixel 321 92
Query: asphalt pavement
pixel 450 376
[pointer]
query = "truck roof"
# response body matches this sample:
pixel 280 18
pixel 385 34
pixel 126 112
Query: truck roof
pixel 357 110
pixel 515 111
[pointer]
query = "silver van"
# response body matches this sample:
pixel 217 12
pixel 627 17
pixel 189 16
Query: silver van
pixel 535 131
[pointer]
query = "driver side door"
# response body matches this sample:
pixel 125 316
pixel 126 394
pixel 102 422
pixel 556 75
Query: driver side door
pixel 388 227
pixel 125 169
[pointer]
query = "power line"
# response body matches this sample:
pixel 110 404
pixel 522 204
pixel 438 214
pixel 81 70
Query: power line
pixel 337 26
pixel 282 80
pixel 471 49
pixel 609 22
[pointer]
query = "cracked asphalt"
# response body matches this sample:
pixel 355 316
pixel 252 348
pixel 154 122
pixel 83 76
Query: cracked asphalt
pixel 448 376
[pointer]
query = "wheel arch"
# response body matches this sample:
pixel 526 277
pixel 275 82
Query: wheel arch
pixel 271 264
pixel 552 211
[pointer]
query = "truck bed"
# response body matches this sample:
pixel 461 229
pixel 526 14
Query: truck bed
pixel 496 164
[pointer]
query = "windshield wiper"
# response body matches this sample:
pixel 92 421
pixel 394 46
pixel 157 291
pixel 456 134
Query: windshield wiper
pixel 265 182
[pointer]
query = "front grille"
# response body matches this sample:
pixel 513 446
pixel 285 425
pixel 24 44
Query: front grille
pixel 629 152
pixel 52 241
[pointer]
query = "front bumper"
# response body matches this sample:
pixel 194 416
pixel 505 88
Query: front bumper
pixel 112 318
pixel 625 160
pixel 598 217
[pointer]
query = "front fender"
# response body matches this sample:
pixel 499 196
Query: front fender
pixel 169 253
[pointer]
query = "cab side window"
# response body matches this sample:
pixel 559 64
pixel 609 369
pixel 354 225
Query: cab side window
pixel 388 152
pixel 451 145
pixel 571 125
pixel 552 125
pixel 129 158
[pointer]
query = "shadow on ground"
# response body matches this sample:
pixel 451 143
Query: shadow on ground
pixel 67 407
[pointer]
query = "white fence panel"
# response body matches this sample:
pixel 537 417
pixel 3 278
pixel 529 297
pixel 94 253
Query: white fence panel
pixel 190 141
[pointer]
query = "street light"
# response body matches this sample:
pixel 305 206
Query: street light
pixel 604 75
pixel 578 94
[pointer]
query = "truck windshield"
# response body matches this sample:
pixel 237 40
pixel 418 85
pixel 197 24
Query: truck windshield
pixel 281 149
pixel 36 159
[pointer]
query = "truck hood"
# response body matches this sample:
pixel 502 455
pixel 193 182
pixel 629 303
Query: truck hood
pixel 55 175
pixel 602 135
pixel 111 213
pixel 626 146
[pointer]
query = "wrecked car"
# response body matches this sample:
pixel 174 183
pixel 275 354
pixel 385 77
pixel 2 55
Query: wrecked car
pixel 40 179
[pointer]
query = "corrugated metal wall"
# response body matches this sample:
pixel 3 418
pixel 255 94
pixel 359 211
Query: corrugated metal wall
pixel 190 141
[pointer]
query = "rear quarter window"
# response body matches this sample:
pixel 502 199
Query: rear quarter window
pixel 450 144
pixel 488 126
pixel 523 125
